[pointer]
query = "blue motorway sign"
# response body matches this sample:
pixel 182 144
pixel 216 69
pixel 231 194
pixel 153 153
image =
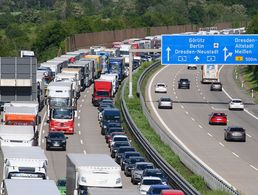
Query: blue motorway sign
pixel 209 49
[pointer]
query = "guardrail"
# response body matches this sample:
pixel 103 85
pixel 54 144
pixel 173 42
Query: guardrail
pixel 213 180
pixel 174 178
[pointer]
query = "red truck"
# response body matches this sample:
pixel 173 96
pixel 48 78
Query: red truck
pixel 102 89
pixel 62 119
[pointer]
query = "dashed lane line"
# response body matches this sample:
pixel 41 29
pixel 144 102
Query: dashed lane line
pixel 253 167
pixel 200 126
pixel 210 134
pixel 81 141
pixel 221 144
pixel 235 154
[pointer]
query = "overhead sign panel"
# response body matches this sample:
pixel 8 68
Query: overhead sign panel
pixel 209 49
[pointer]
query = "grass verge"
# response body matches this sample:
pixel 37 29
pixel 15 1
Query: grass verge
pixel 165 151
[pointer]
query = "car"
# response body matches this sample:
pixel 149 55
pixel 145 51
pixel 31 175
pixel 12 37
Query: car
pixel 115 147
pixel 165 102
pixel 138 170
pixel 236 104
pixel 112 131
pixel 172 192
pixel 110 115
pixel 216 86
pixel 146 183
pixel 184 84
pixel 218 118
pixel 129 166
pixel 235 133
pixel 155 173
pixel 157 188
pixel 61 185
pixel 101 108
pixel 192 67
pixel 56 140
pixel 112 125
pixel 118 138
pixel 122 150
pixel 125 157
pixel 160 88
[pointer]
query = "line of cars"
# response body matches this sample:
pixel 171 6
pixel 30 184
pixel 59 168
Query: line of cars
pixel 150 180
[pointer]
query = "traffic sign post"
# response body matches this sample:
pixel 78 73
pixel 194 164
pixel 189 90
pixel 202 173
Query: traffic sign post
pixel 209 49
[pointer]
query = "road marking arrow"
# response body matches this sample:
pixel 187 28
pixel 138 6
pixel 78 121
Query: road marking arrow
pixel 168 51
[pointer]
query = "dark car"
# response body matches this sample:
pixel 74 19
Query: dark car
pixel 235 134
pixel 101 109
pixel 130 164
pixel 115 147
pixel 56 140
pixel 122 150
pixel 183 84
pixel 106 100
pixel 125 158
pixel 108 136
pixel 157 188
pixel 216 86
pixel 112 125
pixel 111 115
pixel 155 173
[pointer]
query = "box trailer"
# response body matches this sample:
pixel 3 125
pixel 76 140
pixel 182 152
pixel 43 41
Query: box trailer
pixel 91 170
pixel 101 191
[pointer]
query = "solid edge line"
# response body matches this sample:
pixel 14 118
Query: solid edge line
pixel 41 127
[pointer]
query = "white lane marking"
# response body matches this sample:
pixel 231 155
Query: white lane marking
pixel 221 144
pixel 204 98
pixel 79 132
pixel 247 111
pixel 80 105
pixel 79 110
pixel 82 100
pixel 210 135
pixel 45 123
pixel 174 92
pixel 200 126
pixel 41 126
pixel 79 117
pixel 253 167
pixel 87 91
pixel 174 89
pixel 200 93
pixel 182 107
pixel 197 85
pixel 79 124
pixel 248 135
pixel 199 89
pixel 176 97
pixel 192 119
pixel 84 151
pixel 81 141
pixel 85 95
pixel 172 133
pixel 42 141
pixel 186 112
pixel 43 131
pixel 235 154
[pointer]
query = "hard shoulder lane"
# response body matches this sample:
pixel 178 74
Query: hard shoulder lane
pixel 208 147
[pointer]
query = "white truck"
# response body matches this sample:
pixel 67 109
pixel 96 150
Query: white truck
pixel 18 135
pixel 60 94
pixel 210 73
pixel 23 163
pixel 30 187
pixel 77 72
pixel 101 191
pixel 55 67
pixel 112 78
pixel 91 170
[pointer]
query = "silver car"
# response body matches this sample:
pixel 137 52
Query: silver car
pixel 236 104
pixel 165 102
pixel 139 167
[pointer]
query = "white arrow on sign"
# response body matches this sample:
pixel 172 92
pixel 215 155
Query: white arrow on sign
pixel 227 55
pixel 168 51
pixel 196 58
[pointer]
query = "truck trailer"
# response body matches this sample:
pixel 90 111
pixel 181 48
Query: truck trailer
pixel 210 73
pixel 30 187
pixel 23 163
pixel 91 170
pixel 101 191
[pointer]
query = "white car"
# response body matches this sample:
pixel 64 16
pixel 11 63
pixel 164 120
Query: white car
pixel 146 182
pixel 160 88
pixel 236 104
pixel 165 102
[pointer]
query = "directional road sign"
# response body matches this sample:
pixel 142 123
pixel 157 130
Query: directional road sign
pixel 209 49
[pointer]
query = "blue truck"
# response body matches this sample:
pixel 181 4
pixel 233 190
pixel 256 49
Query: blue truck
pixel 117 65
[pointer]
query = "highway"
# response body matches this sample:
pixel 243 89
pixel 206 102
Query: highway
pixel 187 123
pixel 87 139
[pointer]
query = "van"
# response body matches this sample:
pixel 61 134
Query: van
pixel 172 192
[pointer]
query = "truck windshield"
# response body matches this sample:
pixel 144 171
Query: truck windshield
pixel 102 93
pixel 124 52
pixel 62 113
pixel 59 102
pixel 28 175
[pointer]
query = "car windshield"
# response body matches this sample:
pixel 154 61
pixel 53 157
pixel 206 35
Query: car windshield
pixel 237 101
pixel 166 99
pixel 62 113
pixel 112 117
pixel 134 160
pixel 160 85
pixel 219 114
pixel 121 150
pixel 144 166
pixel 183 80
pixel 238 129
pixel 120 139
pixel 118 144
pixel 151 181
pixel 102 93
pixel 56 135
pixel 111 130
